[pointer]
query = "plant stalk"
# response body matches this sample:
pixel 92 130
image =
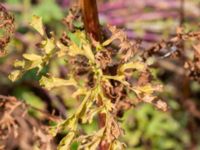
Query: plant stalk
pixel 92 28
pixel 91 19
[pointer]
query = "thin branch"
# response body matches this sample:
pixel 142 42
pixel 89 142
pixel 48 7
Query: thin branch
pixel 46 114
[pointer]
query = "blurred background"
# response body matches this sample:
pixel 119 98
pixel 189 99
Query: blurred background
pixel 148 20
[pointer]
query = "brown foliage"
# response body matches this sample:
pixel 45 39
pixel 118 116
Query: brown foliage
pixel 6 28
pixel 18 129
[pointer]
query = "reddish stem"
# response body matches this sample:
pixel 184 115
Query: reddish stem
pixel 92 27
pixel 90 17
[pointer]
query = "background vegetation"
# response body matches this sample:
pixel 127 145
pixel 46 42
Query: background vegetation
pixel 168 35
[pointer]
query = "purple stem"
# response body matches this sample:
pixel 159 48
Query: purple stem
pixel 63 3
pixel 138 4
pixel 150 37
pixel 118 21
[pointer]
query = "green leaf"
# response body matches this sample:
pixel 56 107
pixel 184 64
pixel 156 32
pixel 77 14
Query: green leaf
pixel 19 63
pixel 117 145
pixel 36 23
pixel 80 45
pixel 80 91
pixel 84 105
pixel 85 112
pixel 33 61
pixel 66 141
pixel 53 82
pixel 14 75
pixel 91 142
pixel 120 78
pixel 132 65
pixel 107 42
pixel 90 115
pixel 148 88
pixel 70 123
pixel 75 50
pixel 88 52
pixel 48 45
pixel 63 50
pixel 75 38
pixel 32 57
